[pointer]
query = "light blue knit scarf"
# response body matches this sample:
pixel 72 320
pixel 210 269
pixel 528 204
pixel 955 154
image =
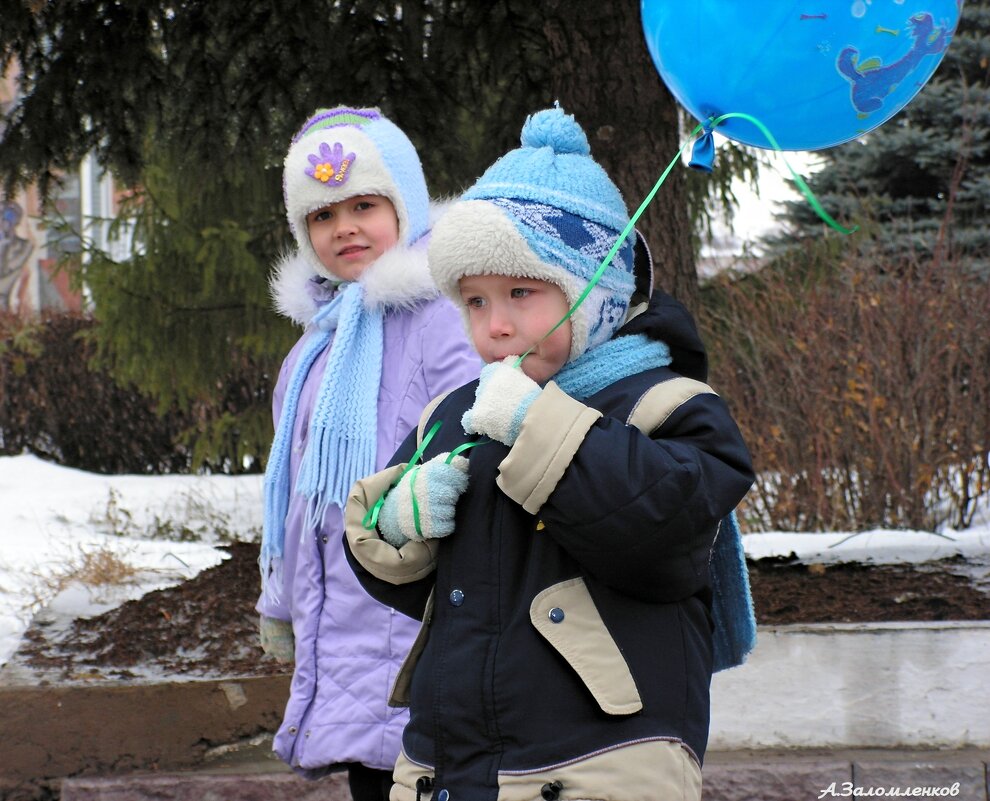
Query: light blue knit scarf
pixel 734 632
pixel 609 362
pixel 342 441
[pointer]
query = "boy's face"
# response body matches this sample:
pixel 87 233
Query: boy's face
pixel 508 316
pixel 351 234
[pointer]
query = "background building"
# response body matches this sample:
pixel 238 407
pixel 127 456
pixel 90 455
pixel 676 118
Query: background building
pixel 30 251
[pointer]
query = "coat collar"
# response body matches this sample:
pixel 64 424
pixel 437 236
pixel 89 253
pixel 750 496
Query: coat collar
pixel 400 278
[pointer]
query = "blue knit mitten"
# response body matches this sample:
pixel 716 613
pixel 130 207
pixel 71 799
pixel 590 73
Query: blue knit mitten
pixel 436 486
pixel 501 401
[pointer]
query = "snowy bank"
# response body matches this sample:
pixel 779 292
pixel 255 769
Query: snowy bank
pixel 164 530
pixel 54 520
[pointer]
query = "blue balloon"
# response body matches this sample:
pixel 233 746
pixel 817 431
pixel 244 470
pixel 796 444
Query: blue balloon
pixel 816 73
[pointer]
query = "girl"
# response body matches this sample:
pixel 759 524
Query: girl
pixel 378 344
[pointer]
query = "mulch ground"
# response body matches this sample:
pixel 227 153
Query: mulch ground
pixel 787 592
pixel 207 626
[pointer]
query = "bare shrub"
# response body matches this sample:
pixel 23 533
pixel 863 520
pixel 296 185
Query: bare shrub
pixel 55 402
pixel 861 386
pixel 59 400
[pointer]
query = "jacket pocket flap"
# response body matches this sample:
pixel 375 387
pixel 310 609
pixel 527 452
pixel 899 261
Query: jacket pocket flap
pixel 568 619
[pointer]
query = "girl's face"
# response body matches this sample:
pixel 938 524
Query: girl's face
pixel 351 234
pixel 508 316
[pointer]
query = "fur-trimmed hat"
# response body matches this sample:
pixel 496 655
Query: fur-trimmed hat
pixel 548 211
pixel 342 152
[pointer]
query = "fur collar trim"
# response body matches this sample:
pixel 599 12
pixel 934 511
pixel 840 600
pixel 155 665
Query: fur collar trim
pixel 400 278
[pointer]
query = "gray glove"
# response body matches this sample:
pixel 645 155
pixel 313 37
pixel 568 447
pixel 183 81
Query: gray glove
pixel 277 639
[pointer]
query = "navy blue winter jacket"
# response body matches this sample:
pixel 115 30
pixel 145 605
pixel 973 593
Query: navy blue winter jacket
pixel 618 551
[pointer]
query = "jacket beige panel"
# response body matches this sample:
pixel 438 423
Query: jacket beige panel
pixel 551 433
pixel 581 637
pixel 641 771
pixel 413 561
pixel 661 400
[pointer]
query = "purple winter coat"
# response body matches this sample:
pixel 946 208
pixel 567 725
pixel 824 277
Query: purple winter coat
pixel 349 647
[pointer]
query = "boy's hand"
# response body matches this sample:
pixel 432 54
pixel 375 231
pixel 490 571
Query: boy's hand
pixel 277 639
pixel 436 486
pixel 501 401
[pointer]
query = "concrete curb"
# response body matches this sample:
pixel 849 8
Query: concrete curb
pixel 51 732
pixel 206 787
pixel 907 685
pixel 729 776
pixel 912 698
pixel 822 774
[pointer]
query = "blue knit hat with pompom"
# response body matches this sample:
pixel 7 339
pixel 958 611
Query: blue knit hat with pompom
pixel 546 210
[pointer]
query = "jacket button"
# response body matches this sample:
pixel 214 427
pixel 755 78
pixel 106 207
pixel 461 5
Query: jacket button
pixel 325 539
pixel 556 615
pixel 293 729
pixel 443 795
pixel 456 599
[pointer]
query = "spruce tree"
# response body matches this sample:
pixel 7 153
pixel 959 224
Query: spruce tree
pixel 192 106
pixel 920 183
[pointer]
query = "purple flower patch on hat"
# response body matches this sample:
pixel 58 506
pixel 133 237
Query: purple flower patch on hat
pixel 330 164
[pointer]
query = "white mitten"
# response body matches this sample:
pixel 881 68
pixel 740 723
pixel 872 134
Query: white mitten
pixel 501 401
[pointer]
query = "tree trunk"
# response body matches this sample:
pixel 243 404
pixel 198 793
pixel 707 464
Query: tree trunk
pixel 602 73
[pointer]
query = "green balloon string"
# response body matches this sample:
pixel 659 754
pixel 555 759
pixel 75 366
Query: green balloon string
pixel 463 447
pixel 415 501
pixel 371 517
pixel 712 122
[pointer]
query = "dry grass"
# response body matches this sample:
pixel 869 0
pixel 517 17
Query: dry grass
pixel 97 569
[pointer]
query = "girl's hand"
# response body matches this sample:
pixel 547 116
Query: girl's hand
pixel 277 639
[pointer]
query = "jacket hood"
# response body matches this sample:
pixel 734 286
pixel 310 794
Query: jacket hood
pixel 665 318
pixel 400 278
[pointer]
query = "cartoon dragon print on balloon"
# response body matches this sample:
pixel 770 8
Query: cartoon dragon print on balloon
pixel 871 83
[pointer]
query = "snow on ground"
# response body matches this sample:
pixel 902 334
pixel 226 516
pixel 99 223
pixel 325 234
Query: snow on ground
pixel 880 547
pixel 56 521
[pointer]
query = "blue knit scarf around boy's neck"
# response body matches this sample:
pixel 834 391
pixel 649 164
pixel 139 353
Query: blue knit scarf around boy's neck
pixel 609 362
pixel 342 440
pixel 734 633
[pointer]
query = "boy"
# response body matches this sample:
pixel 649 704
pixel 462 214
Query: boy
pixel 567 646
